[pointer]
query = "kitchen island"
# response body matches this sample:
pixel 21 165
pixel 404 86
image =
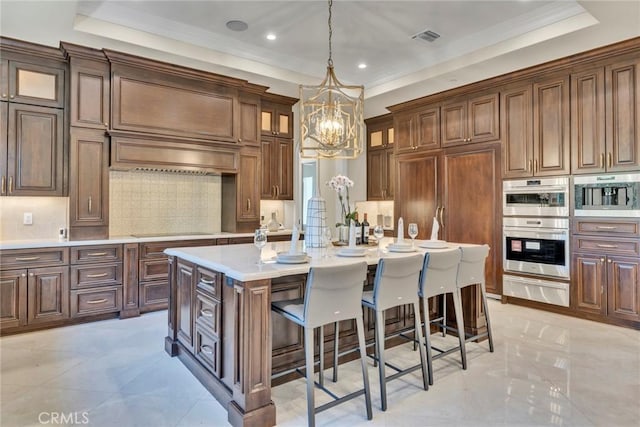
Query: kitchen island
pixel 220 323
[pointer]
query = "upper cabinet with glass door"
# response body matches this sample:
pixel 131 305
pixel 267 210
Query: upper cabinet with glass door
pixel 33 84
pixel 276 120
pixel 380 133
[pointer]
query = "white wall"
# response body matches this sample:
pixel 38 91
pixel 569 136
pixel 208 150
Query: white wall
pixel 49 214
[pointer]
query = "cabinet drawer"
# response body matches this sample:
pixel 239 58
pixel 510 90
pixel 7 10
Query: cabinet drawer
pixel 154 269
pixel 208 350
pixel 87 302
pixel 96 275
pixel 156 249
pixel 93 254
pixel 606 245
pixel 20 258
pixel 208 314
pixel 209 282
pixel 629 228
pixel 154 295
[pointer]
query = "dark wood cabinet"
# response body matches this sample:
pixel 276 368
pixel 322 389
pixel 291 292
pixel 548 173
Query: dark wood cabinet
pixel 535 128
pixel 33 83
pixel 588 147
pixel 48 294
pixel 13 298
pixel 185 280
pixel 380 158
pixel 417 130
pixel 241 193
pixel 249 123
pixel 475 119
pixel 32 150
pixel 277 168
pixel 623 115
pixel 276 119
pixel 606 268
pixel 88 184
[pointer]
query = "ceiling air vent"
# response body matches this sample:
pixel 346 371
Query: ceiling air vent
pixel 426 35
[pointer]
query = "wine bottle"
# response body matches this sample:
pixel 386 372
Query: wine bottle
pixel 365 230
pixel 358 228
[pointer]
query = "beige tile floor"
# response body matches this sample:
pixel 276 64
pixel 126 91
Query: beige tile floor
pixel 547 370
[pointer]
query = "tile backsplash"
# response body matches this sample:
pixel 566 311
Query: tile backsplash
pixel 48 214
pixel 143 202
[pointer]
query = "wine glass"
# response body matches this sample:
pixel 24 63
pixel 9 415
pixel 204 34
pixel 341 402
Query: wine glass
pixel 378 233
pixel 326 238
pixel 260 241
pixel 413 232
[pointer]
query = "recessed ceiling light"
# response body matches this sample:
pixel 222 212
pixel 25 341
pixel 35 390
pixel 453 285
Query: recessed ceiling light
pixel 236 25
pixel 271 36
pixel 362 65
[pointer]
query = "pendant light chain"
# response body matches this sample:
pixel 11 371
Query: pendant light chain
pixel 330 61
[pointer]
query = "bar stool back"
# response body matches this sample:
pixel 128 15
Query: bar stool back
pixel 332 294
pixel 471 272
pixel 395 284
pixel 439 277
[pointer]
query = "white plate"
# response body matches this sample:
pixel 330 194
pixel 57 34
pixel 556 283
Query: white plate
pixel 291 255
pixel 292 260
pixel 350 254
pixel 434 244
pixel 391 248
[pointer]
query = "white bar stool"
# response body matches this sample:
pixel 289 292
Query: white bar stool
pixel 439 277
pixel 471 272
pixel 332 294
pixel 395 284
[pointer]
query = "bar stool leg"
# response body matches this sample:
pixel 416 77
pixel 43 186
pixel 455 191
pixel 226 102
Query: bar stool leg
pixel 308 356
pixel 321 351
pixel 363 363
pixel 427 338
pixel 486 315
pixel 380 350
pixel 457 304
pixel 444 315
pixel 336 350
pixel 423 357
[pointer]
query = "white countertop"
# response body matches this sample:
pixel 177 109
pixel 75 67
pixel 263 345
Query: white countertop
pixel 51 243
pixel 240 261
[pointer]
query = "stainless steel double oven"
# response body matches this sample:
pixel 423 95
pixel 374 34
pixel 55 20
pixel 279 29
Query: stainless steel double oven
pixel 536 239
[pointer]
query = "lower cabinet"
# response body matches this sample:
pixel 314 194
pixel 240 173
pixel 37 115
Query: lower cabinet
pixel 48 294
pixel 13 298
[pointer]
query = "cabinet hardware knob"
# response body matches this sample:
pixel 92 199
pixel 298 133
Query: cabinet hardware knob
pixel 601 259
pixel 609 261
pixel 206 313
pixel 30 274
pixel 97 301
pixel 23 275
pixel 97 254
pixel 206 349
pixel 106 124
pixel 12 96
pixel 239 139
pixel 4 95
pixel 27 258
pixel 95 276
pixel 206 282
pixel 3 185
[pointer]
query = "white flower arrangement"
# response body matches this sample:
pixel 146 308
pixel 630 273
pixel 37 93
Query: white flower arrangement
pixel 341 185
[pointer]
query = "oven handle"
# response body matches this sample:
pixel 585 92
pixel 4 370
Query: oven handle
pixel 528 233
pixel 530 189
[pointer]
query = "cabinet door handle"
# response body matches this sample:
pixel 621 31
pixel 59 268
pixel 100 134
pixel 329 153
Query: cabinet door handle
pixel 31 274
pixel 206 282
pixel 610 159
pixel 206 313
pixel 27 258
pixel 97 301
pixel 206 349
pixel 603 245
pixel 277 191
pixel 11 185
pixel 90 204
pixel 602 161
pixel 12 96
pixel 96 254
pixel 23 275
pixel 4 95
pixel 609 261
pixel 95 276
pixel 535 165
pixel 606 227
pixel 530 168
pixel 248 204
pixel 3 185
pixel 185 271
pixel 442 216
pixel 106 124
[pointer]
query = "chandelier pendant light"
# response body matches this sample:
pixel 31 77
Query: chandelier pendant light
pixel 331 116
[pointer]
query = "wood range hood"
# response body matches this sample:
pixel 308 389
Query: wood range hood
pixel 159 153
